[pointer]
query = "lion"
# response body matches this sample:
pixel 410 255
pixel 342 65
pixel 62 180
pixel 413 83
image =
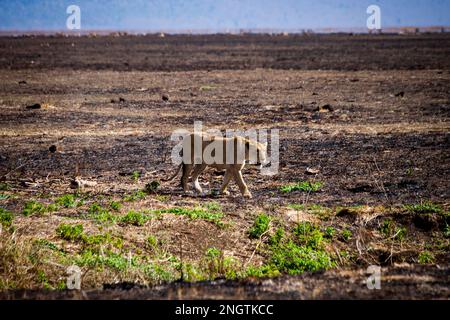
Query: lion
pixel 218 148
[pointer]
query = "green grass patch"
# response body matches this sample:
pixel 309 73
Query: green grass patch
pixel 115 205
pixel 70 232
pixel 346 234
pixel 135 175
pixel 294 252
pixel 192 213
pixel 329 232
pixel 6 217
pixel 389 229
pixel 424 207
pixel 426 257
pixel 4 196
pixel 100 214
pixel 260 226
pixel 137 195
pixel 44 243
pixel 34 207
pixel 135 218
pixel 4 186
pixel 307 186
pixel 68 201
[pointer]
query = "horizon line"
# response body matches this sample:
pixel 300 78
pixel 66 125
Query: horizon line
pixel 199 31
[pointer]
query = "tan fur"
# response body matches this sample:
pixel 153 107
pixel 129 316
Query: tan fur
pixel 233 170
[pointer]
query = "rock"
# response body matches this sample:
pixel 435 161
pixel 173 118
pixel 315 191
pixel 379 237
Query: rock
pixel 34 106
pixel 52 148
pixel 165 97
pixel 400 94
pixel 121 99
pixel 151 187
pixel 22 82
pixel 325 108
pixel 312 170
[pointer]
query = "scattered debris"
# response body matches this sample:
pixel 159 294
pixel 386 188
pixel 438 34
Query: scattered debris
pixel 28 183
pixel 78 183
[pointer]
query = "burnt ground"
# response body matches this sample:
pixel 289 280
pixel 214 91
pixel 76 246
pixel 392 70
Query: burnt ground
pixel 381 143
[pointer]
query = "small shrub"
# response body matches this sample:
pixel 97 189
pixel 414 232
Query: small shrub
pixel 277 237
pixel 4 186
pixel 389 229
pixel 213 206
pixel 46 244
pixel 426 257
pixel 330 232
pixel 346 234
pixel 260 226
pixel 115 205
pixel 6 218
pixel 70 232
pixel 292 258
pixel 135 218
pixel 447 231
pixel 400 233
pixel 424 207
pixel 100 214
pixel 135 176
pixel 35 207
pixel 152 241
pixel 308 235
pixel 138 195
pixel 4 196
pixel 152 187
pixel 307 186
pixel 67 201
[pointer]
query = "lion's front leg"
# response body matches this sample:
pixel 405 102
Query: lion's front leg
pixel 242 186
pixel 226 181
pixel 198 169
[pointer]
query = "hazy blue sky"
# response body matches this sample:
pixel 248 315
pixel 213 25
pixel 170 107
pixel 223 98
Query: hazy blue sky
pixel 219 14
